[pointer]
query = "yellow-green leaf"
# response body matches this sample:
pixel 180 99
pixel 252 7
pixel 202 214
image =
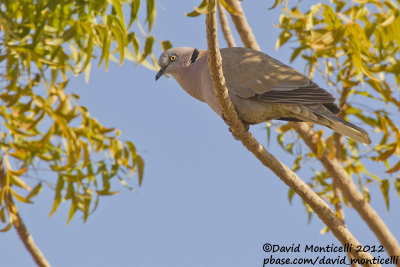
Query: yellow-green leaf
pixel 118 8
pixel 135 4
pixel 230 8
pixel 36 190
pixel 384 185
pixel 57 198
pixel 19 197
pixel 277 2
pixel 148 47
pixel 14 179
pixel 140 165
pixel 8 227
pixel 395 168
pixel 119 36
pixel 151 13
pixel 201 9
pixel 166 45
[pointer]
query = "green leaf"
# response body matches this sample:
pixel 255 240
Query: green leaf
pixel 89 52
pixel 72 211
pixel 135 4
pixel 230 8
pixel 268 127
pixel 118 8
pixel 289 148
pixel 201 9
pixel 277 2
pixel 107 193
pixel 280 138
pixel 46 44
pixel 57 198
pixel 140 165
pixel 384 185
pixel 290 195
pixel 324 230
pixel 295 53
pixel 116 148
pixel 36 190
pixel 3 215
pixel 283 38
pixel 366 194
pixel 297 163
pixel 151 13
pixel 19 197
pixel 15 180
pixel 166 45
pixel 125 184
pixel 105 49
pixel 148 47
pixel 7 227
pixel 397 185
pixel 3 218
pixel 395 168
pixel 135 43
pixel 120 37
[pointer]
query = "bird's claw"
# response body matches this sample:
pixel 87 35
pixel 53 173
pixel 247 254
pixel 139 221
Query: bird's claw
pixel 246 125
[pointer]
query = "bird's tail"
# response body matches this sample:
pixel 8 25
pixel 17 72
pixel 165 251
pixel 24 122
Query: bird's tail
pixel 337 124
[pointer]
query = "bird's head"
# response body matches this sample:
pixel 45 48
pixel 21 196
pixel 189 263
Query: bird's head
pixel 175 59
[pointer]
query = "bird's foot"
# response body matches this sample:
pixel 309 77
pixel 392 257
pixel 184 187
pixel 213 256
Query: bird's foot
pixel 245 124
pixel 225 120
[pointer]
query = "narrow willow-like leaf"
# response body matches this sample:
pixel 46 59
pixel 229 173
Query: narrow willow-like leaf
pixel 384 185
pixel 230 8
pixel 140 166
pixel 118 8
pixel 277 2
pixel 166 45
pixel 120 37
pixel 57 198
pixel 135 4
pixel 36 190
pixel 151 13
pixel 148 47
pixel 201 9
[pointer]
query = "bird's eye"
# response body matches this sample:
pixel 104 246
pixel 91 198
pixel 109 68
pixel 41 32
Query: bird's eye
pixel 172 58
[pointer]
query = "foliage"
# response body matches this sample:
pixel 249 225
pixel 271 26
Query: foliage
pixel 206 6
pixel 43 129
pixel 355 46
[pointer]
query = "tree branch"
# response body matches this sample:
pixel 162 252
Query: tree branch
pixel 223 20
pixel 242 27
pixel 350 191
pixel 282 171
pixel 346 185
pixel 28 241
pixel 20 227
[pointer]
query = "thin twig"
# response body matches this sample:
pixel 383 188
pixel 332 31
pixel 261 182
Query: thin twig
pixel 338 143
pixel 282 171
pixel 226 30
pixel 243 28
pixel 348 188
pixel 350 191
pixel 337 192
pixel 20 227
pixel 29 243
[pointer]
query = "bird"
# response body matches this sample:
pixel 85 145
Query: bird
pixel 260 87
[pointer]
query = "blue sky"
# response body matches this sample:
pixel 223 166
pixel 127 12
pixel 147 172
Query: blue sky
pixel 205 200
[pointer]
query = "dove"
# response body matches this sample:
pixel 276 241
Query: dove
pixel 260 87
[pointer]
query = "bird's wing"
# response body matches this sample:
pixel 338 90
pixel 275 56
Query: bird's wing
pixel 252 74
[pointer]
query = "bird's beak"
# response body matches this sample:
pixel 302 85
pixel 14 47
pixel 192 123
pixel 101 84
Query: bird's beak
pixel 161 72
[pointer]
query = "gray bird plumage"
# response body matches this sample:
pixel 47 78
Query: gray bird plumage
pixel 261 88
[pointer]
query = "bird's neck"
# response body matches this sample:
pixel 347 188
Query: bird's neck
pixel 188 83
